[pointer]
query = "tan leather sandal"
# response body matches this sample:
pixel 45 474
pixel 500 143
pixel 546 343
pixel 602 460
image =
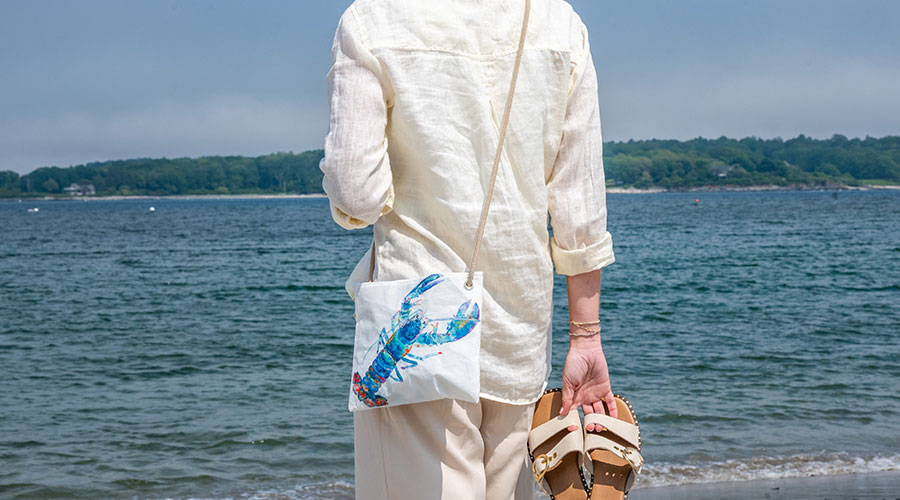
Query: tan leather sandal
pixel 614 451
pixel 557 453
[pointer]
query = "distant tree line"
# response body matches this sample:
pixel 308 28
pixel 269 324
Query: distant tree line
pixel 753 161
pixel 646 163
pixel 274 173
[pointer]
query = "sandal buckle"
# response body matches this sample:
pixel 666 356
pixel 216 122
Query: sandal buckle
pixel 544 461
pixel 633 457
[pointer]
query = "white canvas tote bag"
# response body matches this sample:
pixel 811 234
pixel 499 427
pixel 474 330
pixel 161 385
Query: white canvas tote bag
pixel 419 339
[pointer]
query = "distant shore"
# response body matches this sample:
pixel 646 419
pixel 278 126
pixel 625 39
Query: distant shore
pixel 261 196
pixel 609 190
pixel 769 187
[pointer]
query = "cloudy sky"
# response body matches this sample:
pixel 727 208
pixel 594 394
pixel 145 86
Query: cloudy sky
pixel 90 80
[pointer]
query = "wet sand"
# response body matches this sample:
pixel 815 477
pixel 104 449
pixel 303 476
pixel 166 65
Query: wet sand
pixel 873 486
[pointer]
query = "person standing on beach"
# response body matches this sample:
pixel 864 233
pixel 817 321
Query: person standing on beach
pixel 416 92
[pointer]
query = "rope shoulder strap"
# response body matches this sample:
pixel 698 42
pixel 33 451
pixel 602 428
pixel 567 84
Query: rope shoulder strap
pixel 509 100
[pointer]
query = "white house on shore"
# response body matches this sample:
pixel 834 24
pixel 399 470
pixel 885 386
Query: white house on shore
pixel 80 189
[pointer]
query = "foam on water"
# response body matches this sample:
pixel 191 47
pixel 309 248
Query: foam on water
pixel 323 491
pixel 824 464
pixel 652 476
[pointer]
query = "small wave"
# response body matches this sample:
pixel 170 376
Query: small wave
pixel 823 464
pixel 886 288
pixel 293 288
pixel 321 491
pixel 265 442
pixel 24 444
pixel 683 417
pixel 653 475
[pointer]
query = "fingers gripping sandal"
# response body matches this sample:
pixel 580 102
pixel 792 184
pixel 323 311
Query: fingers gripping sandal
pixel 615 452
pixel 557 453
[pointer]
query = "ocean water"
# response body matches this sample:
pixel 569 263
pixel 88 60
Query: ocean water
pixel 202 350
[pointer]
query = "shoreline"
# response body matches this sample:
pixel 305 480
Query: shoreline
pixel 865 486
pixel 609 190
pixel 764 187
pixel 171 197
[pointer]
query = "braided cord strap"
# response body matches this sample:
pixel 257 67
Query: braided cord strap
pixel 496 167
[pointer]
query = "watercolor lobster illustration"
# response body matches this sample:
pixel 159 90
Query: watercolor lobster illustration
pixel 410 328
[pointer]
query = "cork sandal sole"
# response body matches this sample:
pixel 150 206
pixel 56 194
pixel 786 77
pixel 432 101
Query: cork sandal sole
pixel 566 481
pixel 611 472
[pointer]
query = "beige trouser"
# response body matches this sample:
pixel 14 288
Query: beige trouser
pixel 443 449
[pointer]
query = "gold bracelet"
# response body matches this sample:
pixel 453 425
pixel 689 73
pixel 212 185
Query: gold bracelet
pixel 588 332
pixel 585 323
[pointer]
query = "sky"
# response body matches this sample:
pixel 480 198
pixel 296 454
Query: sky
pixel 94 80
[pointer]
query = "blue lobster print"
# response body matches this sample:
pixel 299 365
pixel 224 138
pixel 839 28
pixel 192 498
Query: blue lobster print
pixel 410 328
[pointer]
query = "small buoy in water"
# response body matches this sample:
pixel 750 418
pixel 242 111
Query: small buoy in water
pixel 697 200
pixel 152 209
pixel 35 209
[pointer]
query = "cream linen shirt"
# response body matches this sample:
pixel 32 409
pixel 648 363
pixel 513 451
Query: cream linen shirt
pixel 417 90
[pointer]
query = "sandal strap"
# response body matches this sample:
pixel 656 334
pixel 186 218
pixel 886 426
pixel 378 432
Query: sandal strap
pixel 573 442
pixel 594 441
pixel 625 430
pixel 552 427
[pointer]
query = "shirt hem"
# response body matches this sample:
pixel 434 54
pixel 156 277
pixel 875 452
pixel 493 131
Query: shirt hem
pixel 517 402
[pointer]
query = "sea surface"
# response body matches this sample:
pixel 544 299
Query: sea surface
pixel 202 349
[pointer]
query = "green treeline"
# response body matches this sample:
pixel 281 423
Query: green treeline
pixel 274 173
pixel 752 161
pixel 648 163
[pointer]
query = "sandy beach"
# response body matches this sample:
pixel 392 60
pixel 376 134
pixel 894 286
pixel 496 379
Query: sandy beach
pixel 873 486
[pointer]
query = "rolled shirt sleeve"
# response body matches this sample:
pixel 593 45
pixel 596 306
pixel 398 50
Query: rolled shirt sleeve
pixel 576 187
pixel 357 171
